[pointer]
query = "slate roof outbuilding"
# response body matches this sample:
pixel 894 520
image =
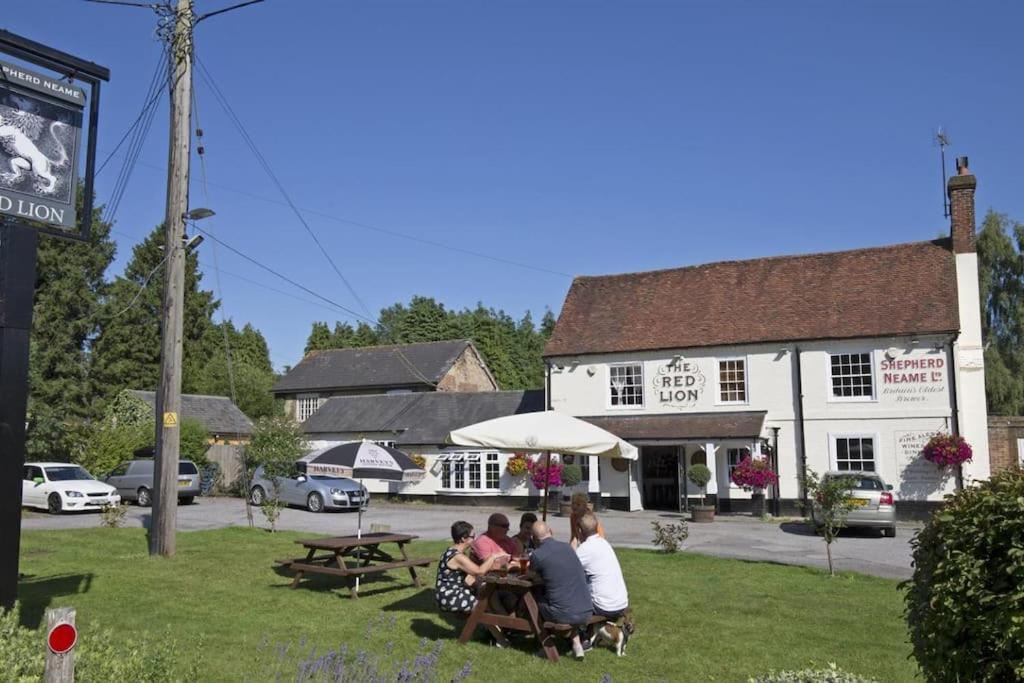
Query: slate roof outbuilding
pixel 373 366
pixel 422 418
pixel 216 413
pixel 876 292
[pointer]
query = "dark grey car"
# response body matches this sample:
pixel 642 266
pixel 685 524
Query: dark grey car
pixel 315 492
pixel 134 481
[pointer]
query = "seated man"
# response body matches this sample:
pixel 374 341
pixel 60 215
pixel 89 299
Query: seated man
pixel 495 540
pixel 525 536
pixel 566 599
pixel 604 575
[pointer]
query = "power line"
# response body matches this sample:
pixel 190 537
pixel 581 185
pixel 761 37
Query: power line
pixel 230 112
pixel 161 66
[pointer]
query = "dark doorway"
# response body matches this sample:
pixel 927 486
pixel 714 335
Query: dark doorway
pixel 660 477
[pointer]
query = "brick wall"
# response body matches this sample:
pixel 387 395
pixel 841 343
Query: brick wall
pixel 1003 433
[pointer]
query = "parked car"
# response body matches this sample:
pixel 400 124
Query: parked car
pixel 62 486
pixel 134 481
pixel 874 506
pixel 314 492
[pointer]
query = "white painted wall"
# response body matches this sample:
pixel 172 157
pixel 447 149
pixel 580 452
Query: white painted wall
pixel 911 399
pixel 970 360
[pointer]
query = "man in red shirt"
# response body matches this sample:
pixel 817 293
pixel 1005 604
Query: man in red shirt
pixel 495 539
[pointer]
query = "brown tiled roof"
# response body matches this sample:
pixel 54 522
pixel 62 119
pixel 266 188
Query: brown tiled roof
pixel 881 291
pixel 738 425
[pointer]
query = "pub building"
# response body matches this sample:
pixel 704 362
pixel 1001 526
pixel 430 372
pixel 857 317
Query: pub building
pixel 838 361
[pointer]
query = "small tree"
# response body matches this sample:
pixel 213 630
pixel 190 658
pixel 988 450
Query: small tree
pixel 277 442
pixel 831 503
pixel 699 475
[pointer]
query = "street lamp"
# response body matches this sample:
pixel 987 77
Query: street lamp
pixel 198 214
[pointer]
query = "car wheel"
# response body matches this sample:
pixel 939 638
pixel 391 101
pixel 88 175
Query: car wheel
pixel 145 499
pixel 315 502
pixel 53 504
pixel 187 500
pixel 257 496
pixel 889 532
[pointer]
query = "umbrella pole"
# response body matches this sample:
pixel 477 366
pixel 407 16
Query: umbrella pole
pixel 547 481
pixel 359 531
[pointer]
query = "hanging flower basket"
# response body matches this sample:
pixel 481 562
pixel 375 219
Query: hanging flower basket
pixel 754 473
pixel 420 460
pixel 517 465
pixel 539 474
pixel 947 450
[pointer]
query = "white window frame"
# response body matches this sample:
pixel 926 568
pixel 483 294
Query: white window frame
pixel 300 401
pixel 746 381
pixel 1020 453
pixel 608 386
pixel 465 462
pixel 876 447
pixel 729 467
pixel 831 397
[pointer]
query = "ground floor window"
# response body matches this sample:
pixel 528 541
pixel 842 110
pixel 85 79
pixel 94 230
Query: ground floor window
pixel 470 471
pixel 854 453
pixel 734 457
pixel 306 406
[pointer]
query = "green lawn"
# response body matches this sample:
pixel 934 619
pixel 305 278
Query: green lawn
pixel 698 618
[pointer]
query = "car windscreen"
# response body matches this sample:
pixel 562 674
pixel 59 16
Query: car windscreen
pixel 864 483
pixel 187 468
pixel 70 473
pixel 323 477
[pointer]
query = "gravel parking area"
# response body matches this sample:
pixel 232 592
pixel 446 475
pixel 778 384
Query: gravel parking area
pixel 740 537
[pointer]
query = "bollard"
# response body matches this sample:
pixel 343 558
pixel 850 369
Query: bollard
pixel 61 636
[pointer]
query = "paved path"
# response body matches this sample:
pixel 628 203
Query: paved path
pixel 729 536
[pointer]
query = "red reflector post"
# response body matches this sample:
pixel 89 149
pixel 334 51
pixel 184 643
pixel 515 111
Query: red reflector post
pixel 62 638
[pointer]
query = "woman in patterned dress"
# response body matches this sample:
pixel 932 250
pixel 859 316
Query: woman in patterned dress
pixel 457 574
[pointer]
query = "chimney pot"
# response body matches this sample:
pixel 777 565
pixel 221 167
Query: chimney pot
pixel 961 166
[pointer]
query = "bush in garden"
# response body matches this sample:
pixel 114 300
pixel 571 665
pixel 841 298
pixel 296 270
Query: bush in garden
pixel 99 656
pixel 965 602
pixel 832 674
pixel 571 475
pixel 112 516
pixel 669 537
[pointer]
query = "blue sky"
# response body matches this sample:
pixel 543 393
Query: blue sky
pixel 577 137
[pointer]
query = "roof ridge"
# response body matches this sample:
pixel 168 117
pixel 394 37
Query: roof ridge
pixel 151 391
pixel 780 257
pixel 385 347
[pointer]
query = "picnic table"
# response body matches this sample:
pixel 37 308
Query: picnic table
pixel 365 554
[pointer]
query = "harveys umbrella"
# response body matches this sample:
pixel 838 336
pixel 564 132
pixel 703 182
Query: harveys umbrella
pixel 363 460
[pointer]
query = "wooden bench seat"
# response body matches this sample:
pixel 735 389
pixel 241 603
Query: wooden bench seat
pixel 352 571
pixel 555 626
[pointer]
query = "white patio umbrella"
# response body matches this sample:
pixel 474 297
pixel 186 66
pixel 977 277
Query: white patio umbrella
pixel 542 433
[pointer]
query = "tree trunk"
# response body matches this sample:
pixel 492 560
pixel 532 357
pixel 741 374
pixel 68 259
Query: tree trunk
pixel 828 552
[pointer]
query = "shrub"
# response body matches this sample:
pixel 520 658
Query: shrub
pixel 831 500
pixel 699 475
pixel 112 516
pixel 669 537
pixel 99 656
pixel 832 674
pixel 276 443
pixel 947 450
pixel 966 597
pixel 571 475
pixel 271 509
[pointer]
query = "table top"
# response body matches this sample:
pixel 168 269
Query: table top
pixel 513 579
pixel 342 542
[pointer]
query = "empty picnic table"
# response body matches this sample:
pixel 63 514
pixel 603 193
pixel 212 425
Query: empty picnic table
pixel 331 556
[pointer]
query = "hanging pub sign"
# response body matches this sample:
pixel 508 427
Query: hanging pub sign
pixel 41 134
pixel 679 383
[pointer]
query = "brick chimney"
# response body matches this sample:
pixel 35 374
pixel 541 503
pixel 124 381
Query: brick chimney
pixel 961 207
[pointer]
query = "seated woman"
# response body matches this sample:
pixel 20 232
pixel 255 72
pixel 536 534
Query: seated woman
pixel 457 573
pixel 580 507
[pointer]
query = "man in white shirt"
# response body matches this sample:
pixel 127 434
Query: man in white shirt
pixel 604 575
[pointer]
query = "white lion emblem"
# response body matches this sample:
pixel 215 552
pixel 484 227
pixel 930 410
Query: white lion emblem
pixel 17 130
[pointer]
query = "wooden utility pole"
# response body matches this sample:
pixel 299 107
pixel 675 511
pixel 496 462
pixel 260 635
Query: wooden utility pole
pixel 168 402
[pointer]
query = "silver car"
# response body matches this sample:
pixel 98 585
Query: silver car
pixel 134 481
pixel 874 506
pixel 314 492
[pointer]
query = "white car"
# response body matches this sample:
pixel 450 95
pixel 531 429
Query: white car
pixel 61 486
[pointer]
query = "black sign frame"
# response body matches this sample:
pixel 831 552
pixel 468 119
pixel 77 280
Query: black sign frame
pixel 74 69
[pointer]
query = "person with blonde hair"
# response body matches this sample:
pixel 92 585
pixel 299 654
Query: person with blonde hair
pixel 580 507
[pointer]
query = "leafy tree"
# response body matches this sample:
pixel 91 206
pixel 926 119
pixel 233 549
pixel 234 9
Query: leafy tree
pixel 319 338
pixel 250 368
pixel 68 295
pixel 1001 282
pixel 126 353
pixel 277 442
pixel 830 498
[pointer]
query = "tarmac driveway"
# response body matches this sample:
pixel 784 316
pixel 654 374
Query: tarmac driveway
pixel 787 542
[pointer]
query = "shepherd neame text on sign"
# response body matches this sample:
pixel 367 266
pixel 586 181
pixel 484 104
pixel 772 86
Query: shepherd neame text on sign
pixel 40 132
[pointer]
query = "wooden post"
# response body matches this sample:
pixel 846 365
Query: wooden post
pixel 168 402
pixel 547 481
pixel 60 668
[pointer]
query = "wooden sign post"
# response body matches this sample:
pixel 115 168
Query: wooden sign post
pixel 61 637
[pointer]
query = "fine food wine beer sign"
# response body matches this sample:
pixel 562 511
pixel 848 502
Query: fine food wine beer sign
pixel 40 135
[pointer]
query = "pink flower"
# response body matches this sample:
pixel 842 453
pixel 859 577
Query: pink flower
pixel 754 473
pixel 946 450
pixel 539 473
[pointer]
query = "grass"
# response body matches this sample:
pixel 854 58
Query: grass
pixel 698 618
